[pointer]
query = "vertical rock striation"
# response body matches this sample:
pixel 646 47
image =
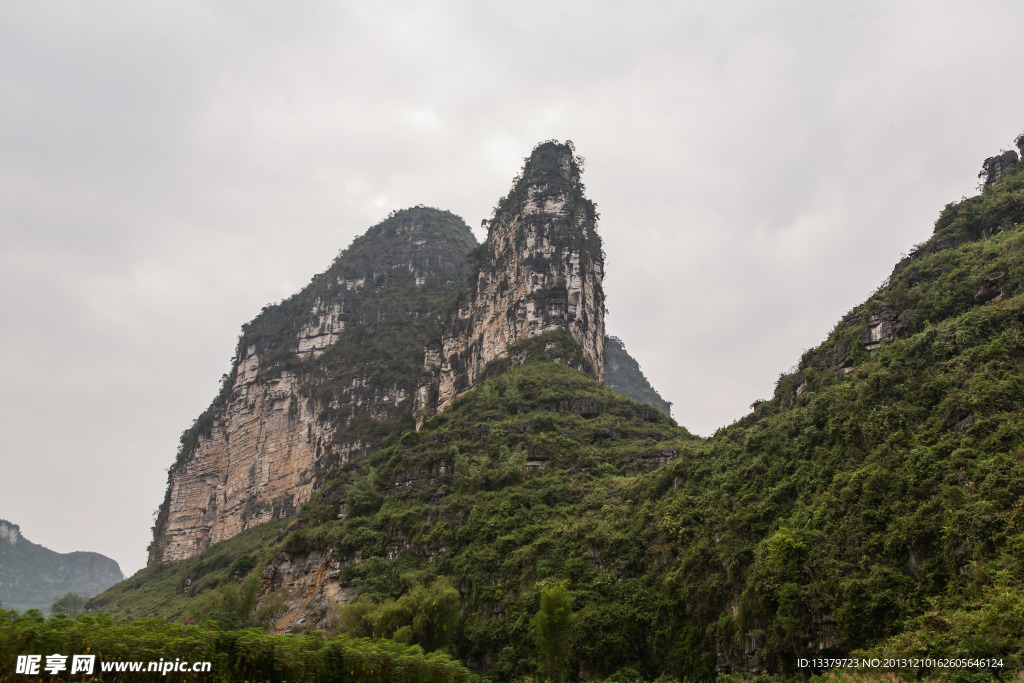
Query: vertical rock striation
pixel 316 381
pixel 539 271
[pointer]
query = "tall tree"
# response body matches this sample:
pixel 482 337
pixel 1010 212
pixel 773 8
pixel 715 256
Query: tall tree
pixel 551 632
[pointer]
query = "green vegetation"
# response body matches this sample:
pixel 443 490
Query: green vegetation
pixel 874 506
pixel 860 511
pixel 423 615
pixel 234 655
pixel 622 373
pixel 169 590
pixel 551 632
pixel 233 606
pixel 71 604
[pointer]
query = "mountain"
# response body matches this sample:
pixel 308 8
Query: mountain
pixel 327 376
pixel 317 381
pixel 870 507
pixel 623 374
pixel 32 577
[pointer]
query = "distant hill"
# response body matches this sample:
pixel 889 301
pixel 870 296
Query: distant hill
pixel 623 374
pixel 32 577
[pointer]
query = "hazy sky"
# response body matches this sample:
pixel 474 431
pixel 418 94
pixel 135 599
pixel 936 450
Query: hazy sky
pixel 167 169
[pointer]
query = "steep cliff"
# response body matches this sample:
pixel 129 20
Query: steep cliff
pixel 318 380
pixel 540 270
pixel 32 576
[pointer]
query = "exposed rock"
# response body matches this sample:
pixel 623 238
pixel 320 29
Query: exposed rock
pixel 990 288
pixel 309 584
pixel 311 377
pixel 255 465
pixel 994 167
pixel 842 358
pixel 882 326
pixel 9 532
pixel 540 270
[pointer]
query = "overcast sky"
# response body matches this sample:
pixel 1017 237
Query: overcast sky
pixel 167 169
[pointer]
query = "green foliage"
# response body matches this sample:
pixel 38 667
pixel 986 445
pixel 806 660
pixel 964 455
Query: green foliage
pixel 363 497
pixel 426 615
pixel 230 606
pixel 551 628
pixel 71 604
pixel 234 655
pixel 168 591
pixel 622 373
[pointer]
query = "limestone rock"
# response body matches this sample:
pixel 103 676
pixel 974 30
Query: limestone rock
pixel 540 270
pixel 313 379
pixel 994 167
pixel 883 325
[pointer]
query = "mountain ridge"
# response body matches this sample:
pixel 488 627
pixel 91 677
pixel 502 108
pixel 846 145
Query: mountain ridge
pixel 32 576
pixel 871 507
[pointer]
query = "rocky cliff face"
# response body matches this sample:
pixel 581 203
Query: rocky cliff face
pixel 539 271
pixel 316 381
pixel 32 577
pixel 323 378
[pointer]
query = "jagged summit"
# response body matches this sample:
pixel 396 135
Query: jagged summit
pixel 540 271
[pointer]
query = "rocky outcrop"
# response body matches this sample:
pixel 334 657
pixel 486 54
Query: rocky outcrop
pixel 994 168
pixel 316 381
pixel 32 577
pixel 540 270
pixel 882 326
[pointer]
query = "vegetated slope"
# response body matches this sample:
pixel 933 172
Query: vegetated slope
pixel 32 577
pixel 623 374
pixel 874 504
pixel 522 483
pixel 167 590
